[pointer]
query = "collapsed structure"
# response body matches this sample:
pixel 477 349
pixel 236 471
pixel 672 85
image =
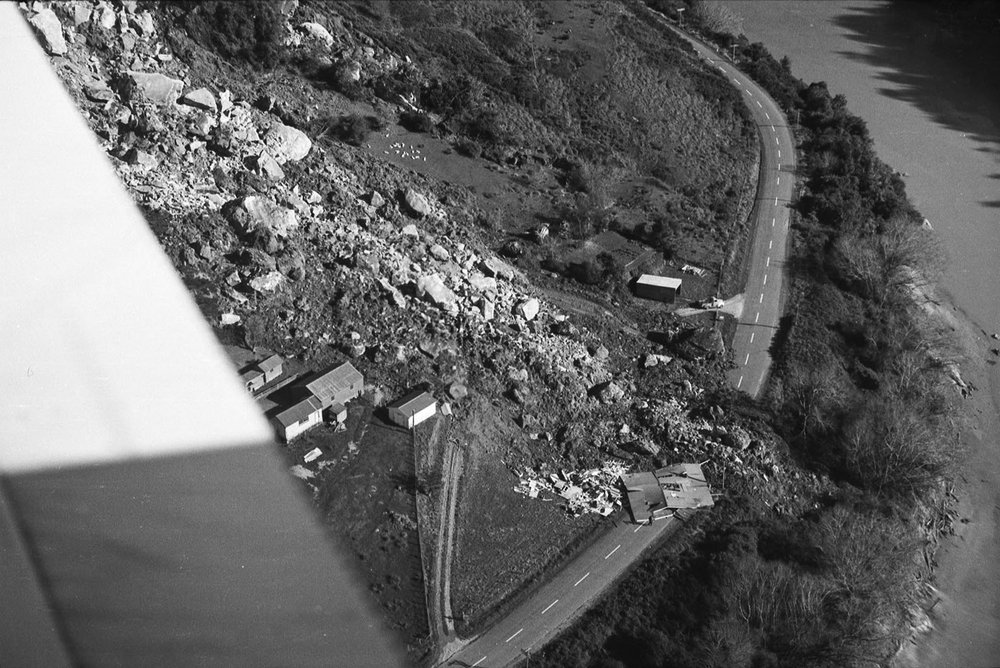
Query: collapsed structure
pixel 655 495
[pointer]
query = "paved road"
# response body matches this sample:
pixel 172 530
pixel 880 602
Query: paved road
pixel 762 296
pixel 556 603
pixel 529 626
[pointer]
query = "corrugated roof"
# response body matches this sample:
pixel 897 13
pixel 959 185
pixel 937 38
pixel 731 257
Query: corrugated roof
pixel 299 411
pixel 659 281
pixel 414 402
pixel 329 384
pixel 270 364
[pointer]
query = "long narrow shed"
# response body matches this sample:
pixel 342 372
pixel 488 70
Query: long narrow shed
pixel 413 409
pixel 660 288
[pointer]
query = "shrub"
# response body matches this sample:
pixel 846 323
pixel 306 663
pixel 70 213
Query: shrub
pixel 352 129
pixel 252 31
pixel 416 121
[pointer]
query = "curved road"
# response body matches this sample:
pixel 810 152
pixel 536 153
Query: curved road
pixel 558 602
pixel 758 321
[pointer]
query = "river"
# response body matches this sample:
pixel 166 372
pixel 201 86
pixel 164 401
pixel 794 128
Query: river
pixel 930 115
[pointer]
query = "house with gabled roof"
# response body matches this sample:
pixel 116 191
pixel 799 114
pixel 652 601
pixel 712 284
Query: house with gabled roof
pixel 338 385
pixel 413 409
pixel 260 374
pixel 299 418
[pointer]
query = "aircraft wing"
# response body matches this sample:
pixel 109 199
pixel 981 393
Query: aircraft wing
pixel 145 518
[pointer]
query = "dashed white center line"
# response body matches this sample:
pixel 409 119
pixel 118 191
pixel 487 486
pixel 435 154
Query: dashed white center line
pixel 637 529
pixel 740 382
pixel 515 635
pixel 549 607
pixel 751 338
pixel 612 552
pixel 775 201
pixel 478 662
pixel 779 154
pixel 735 80
pixel 756 318
pixel 770 244
pixel 761 300
pixel 779 178
pixel 581 579
pixel 768 262
pixel 747 359
pixel 759 104
pixel 775 138
pixel 748 91
pixel 768 115
pixel 772 222
pixel 765 280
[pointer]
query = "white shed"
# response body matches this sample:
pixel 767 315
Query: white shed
pixel 660 288
pixel 413 409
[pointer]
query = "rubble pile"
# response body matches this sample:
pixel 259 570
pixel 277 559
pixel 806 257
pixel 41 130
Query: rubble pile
pixel 590 491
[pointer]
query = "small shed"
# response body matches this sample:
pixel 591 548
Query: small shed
pixel 299 418
pixel 262 373
pixel 413 409
pixel 271 367
pixel 337 385
pixel 660 288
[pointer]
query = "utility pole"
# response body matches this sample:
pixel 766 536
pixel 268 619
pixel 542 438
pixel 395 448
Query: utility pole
pixel 733 46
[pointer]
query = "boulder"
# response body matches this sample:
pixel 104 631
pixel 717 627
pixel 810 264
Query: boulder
pixel 200 98
pixel 292 265
pixel 268 282
pixel 254 214
pixel 410 231
pixel 107 18
pixel 481 283
pixel 394 294
pixel 458 391
pixel 651 360
pixel 377 201
pixel 98 91
pixel 736 438
pixel 229 319
pixel 49 31
pixel 138 157
pixel 152 87
pixel 642 447
pixel 528 309
pixel 287 143
pixel 317 33
pixel 608 393
pixel 432 287
pixel 417 203
pixel 143 24
pixel 598 352
pixel 438 252
pixel 498 268
pixel 488 308
pixel 268 167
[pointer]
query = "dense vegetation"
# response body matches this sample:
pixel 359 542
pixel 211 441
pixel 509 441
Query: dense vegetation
pixel 861 395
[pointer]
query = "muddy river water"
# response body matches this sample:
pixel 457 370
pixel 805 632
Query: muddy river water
pixel 933 116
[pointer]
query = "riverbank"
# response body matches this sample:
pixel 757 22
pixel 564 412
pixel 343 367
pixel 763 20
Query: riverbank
pixel 963 617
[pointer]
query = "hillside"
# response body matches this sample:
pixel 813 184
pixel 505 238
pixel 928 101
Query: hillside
pixel 421 188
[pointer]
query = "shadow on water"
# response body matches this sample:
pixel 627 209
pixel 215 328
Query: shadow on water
pixel 940 61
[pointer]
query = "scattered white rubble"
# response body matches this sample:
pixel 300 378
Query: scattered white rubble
pixel 590 491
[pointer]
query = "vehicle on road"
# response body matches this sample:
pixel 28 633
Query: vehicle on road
pixel 711 302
